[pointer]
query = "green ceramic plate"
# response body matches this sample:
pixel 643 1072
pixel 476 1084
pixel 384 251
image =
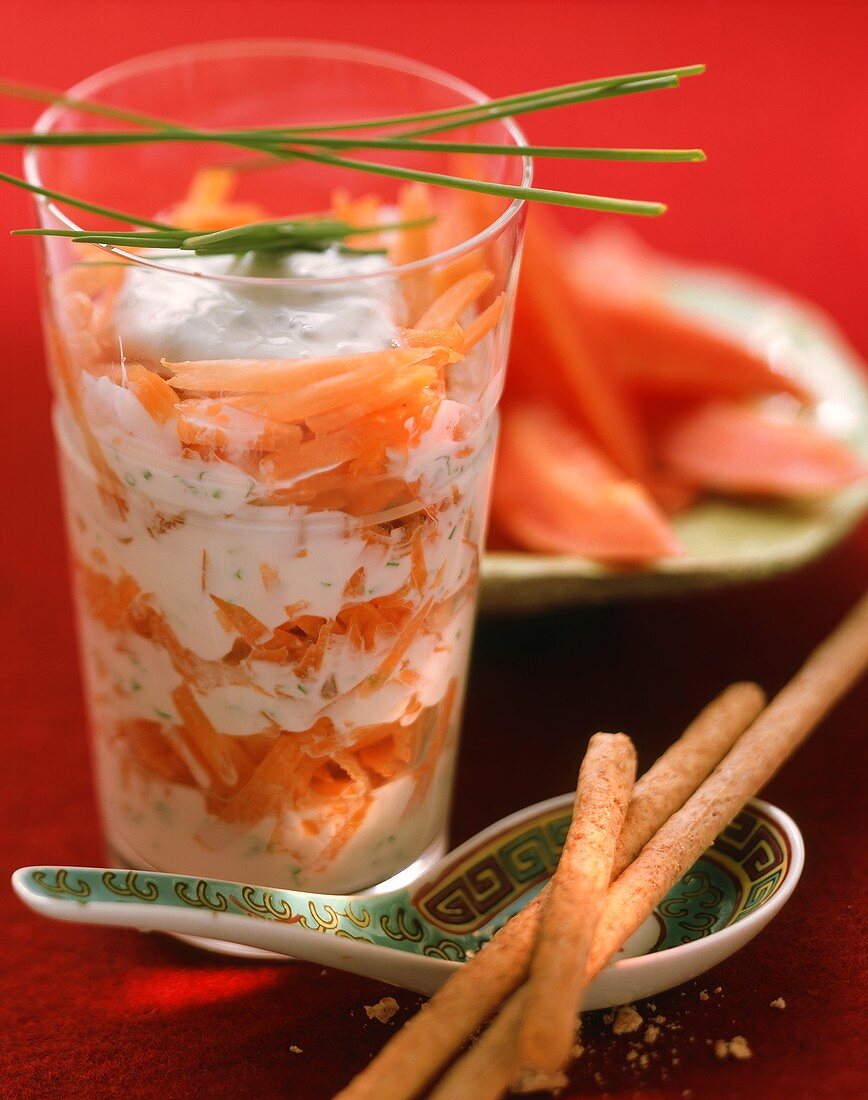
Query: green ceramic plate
pixel 726 541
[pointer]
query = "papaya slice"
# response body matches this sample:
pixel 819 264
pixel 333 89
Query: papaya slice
pixel 552 357
pixel 733 448
pixel 556 492
pixel 650 346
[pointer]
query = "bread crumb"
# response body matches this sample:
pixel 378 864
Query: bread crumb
pixel 718 989
pixel 296 1050
pixel 577 1050
pixel 736 1048
pixel 644 1061
pixel 703 995
pixel 651 1033
pixel 627 1020
pixel 383 1010
pixel 659 1020
pixel 778 1002
pixel 608 1017
pixel 531 1081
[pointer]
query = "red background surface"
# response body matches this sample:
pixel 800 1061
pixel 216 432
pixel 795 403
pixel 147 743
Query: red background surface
pixel 85 1012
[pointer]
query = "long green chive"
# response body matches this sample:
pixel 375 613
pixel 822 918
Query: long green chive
pixel 489 113
pixel 280 140
pixel 47 95
pixel 483 187
pixel 300 143
pixel 270 236
pixel 91 207
pixel 474 108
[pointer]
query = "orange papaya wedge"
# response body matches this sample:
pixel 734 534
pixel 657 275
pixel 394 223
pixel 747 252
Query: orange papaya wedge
pixel 733 448
pixel 556 492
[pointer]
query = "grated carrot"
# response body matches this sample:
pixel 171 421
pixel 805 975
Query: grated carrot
pixel 451 337
pixel 111 487
pixel 199 743
pixel 453 302
pixel 151 750
pixel 107 600
pixel 405 639
pixel 483 323
pixel 418 568
pixel 413 245
pixel 236 620
pixel 355 586
pixel 285 377
pixel 434 749
pixel 270 576
pixel 207 206
pixel 154 392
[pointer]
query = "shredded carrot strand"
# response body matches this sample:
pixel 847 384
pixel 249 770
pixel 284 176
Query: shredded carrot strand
pixel 235 619
pixel 453 302
pixel 154 392
pixel 483 323
pixel 204 742
pixel 413 245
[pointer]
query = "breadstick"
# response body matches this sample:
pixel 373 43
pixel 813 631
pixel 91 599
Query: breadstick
pixel 827 674
pixel 575 900
pixel 834 666
pixel 492 1062
pixel 428 1040
pixel 674 776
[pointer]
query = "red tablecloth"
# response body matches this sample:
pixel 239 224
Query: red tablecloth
pixel 104 1014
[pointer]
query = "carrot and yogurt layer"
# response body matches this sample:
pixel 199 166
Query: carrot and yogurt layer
pixel 276 494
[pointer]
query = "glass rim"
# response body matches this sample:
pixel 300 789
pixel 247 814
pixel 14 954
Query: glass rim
pixel 308 47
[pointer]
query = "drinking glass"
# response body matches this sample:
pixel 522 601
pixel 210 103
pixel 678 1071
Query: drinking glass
pixel 275 473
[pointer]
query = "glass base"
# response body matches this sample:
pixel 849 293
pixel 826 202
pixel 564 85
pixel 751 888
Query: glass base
pixel 407 875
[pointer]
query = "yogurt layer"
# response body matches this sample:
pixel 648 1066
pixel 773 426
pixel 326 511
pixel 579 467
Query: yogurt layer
pixel 274 665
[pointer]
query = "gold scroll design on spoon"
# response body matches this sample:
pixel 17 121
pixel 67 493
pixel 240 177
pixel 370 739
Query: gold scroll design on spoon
pixel 756 853
pixel 501 872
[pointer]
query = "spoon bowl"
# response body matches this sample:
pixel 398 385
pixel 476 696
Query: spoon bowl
pixel 417 935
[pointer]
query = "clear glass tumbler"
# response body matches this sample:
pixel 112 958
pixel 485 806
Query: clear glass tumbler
pixel 276 470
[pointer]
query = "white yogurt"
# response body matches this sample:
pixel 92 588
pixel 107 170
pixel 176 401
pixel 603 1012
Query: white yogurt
pixel 160 314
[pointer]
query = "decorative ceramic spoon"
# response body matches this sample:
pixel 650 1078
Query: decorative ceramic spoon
pixel 415 936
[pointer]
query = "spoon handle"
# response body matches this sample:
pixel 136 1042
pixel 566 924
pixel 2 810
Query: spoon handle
pixel 283 921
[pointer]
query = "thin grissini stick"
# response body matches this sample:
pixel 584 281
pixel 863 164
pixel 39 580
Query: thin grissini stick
pixel 578 887
pixel 428 1040
pixel 674 776
pixel 487 1068
pixel 829 672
